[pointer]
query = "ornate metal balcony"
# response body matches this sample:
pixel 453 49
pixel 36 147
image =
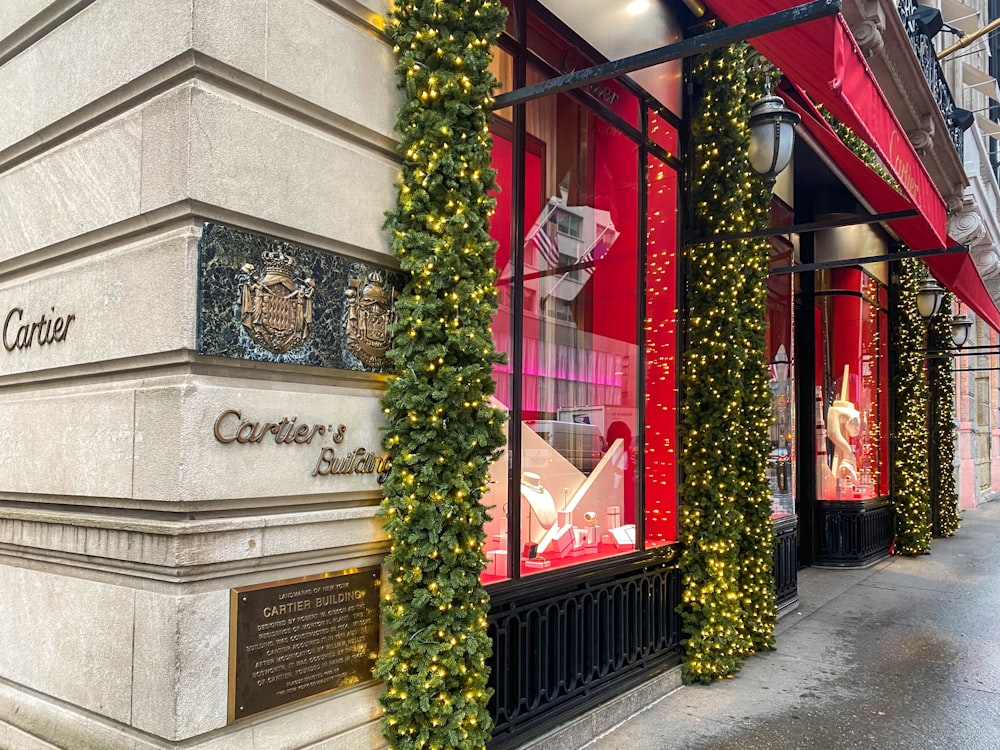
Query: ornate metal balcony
pixel 927 57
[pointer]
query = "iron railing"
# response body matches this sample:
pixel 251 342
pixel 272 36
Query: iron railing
pixel 566 645
pixel 786 562
pixel 855 533
pixel 927 57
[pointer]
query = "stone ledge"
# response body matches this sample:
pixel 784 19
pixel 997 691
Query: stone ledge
pixel 186 67
pixel 114 304
pixel 54 725
pixel 196 580
pixel 184 546
pixel 153 441
pixel 198 142
pixel 27 21
pixel 320 58
pixel 176 217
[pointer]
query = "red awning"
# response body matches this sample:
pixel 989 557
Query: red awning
pixel 823 58
pixel 957 271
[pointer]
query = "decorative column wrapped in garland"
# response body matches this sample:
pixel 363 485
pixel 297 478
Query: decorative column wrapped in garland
pixel 911 496
pixel 728 606
pixel 942 433
pixel 442 431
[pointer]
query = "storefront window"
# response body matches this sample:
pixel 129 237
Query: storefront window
pixel 662 133
pixel 564 57
pixel 578 379
pixel 781 367
pixel 620 28
pixel 660 476
pixel 571 290
pixel 851 400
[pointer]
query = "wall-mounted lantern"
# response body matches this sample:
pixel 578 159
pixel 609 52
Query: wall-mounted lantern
pixel 929 298
pixel 772 133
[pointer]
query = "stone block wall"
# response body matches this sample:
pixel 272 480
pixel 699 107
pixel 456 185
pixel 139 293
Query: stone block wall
pixel 127 515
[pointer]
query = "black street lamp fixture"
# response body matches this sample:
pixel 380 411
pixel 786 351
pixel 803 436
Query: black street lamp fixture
pixel 772 134
pixel 960 327
pixel 929 297
pixel 928 20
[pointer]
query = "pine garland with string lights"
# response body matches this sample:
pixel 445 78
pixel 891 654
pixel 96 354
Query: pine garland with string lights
pixel 942 429
pixel 442 432
pixel 911 496
pixel 728 601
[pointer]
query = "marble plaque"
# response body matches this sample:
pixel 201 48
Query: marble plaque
pixel 269 300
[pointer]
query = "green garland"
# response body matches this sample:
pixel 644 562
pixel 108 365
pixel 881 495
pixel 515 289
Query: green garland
pixel 728 600
pixel 942 431
pixel 442 431
pixel 911 497
pixel 861 149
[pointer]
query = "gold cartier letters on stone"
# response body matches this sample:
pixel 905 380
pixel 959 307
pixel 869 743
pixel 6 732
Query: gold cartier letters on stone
pixel 276 310
pixel 19 334
pixel 369 316
pixel 231 427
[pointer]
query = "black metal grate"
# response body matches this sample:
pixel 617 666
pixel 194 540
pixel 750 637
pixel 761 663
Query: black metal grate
pixel 786 561
pixel 560 646
pixel 854 534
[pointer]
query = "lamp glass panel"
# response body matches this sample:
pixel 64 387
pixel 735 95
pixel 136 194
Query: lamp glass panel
pixel 786 137
pixel 762 146
pixel 928 302
pixel 960 326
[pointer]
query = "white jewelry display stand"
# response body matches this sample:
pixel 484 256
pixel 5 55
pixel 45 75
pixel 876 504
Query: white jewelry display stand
pixel 543 507
pixel 604 469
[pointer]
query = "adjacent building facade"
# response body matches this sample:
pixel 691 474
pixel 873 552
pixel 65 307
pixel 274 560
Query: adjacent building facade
pixel 197 296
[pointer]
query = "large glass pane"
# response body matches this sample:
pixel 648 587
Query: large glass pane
pixel 619 28
pixel 851 405
pixel 661 132
pixel 565 56
pixel 501 224
pixel 578 375
pixel 781 367
pixel 502 66
pixel 660 477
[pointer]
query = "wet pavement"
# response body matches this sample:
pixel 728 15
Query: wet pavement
pixel 901 656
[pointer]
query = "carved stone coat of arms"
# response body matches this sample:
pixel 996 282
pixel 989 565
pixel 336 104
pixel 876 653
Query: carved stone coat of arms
pixel 276 309
pixel 369 317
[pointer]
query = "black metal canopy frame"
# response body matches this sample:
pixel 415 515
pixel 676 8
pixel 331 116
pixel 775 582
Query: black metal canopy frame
pixel 686 48
pixel 704 43
pixel 887 258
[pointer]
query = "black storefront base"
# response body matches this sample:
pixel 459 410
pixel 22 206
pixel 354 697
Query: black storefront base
pixel 854 534
pixel 564 644
pixel 786 563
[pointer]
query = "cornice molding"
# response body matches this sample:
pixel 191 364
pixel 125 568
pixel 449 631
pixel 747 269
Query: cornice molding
pixel 898 72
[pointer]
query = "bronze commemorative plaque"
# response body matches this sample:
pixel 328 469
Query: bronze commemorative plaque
pixel 299 638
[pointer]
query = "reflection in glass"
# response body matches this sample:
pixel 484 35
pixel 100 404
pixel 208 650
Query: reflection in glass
pixel 571 291
pixel 579 338
pixel 781 366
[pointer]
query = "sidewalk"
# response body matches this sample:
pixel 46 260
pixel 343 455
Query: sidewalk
pixel 901 656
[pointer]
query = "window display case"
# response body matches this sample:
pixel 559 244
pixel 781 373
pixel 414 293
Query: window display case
pixel 571 300
pixel 851 387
